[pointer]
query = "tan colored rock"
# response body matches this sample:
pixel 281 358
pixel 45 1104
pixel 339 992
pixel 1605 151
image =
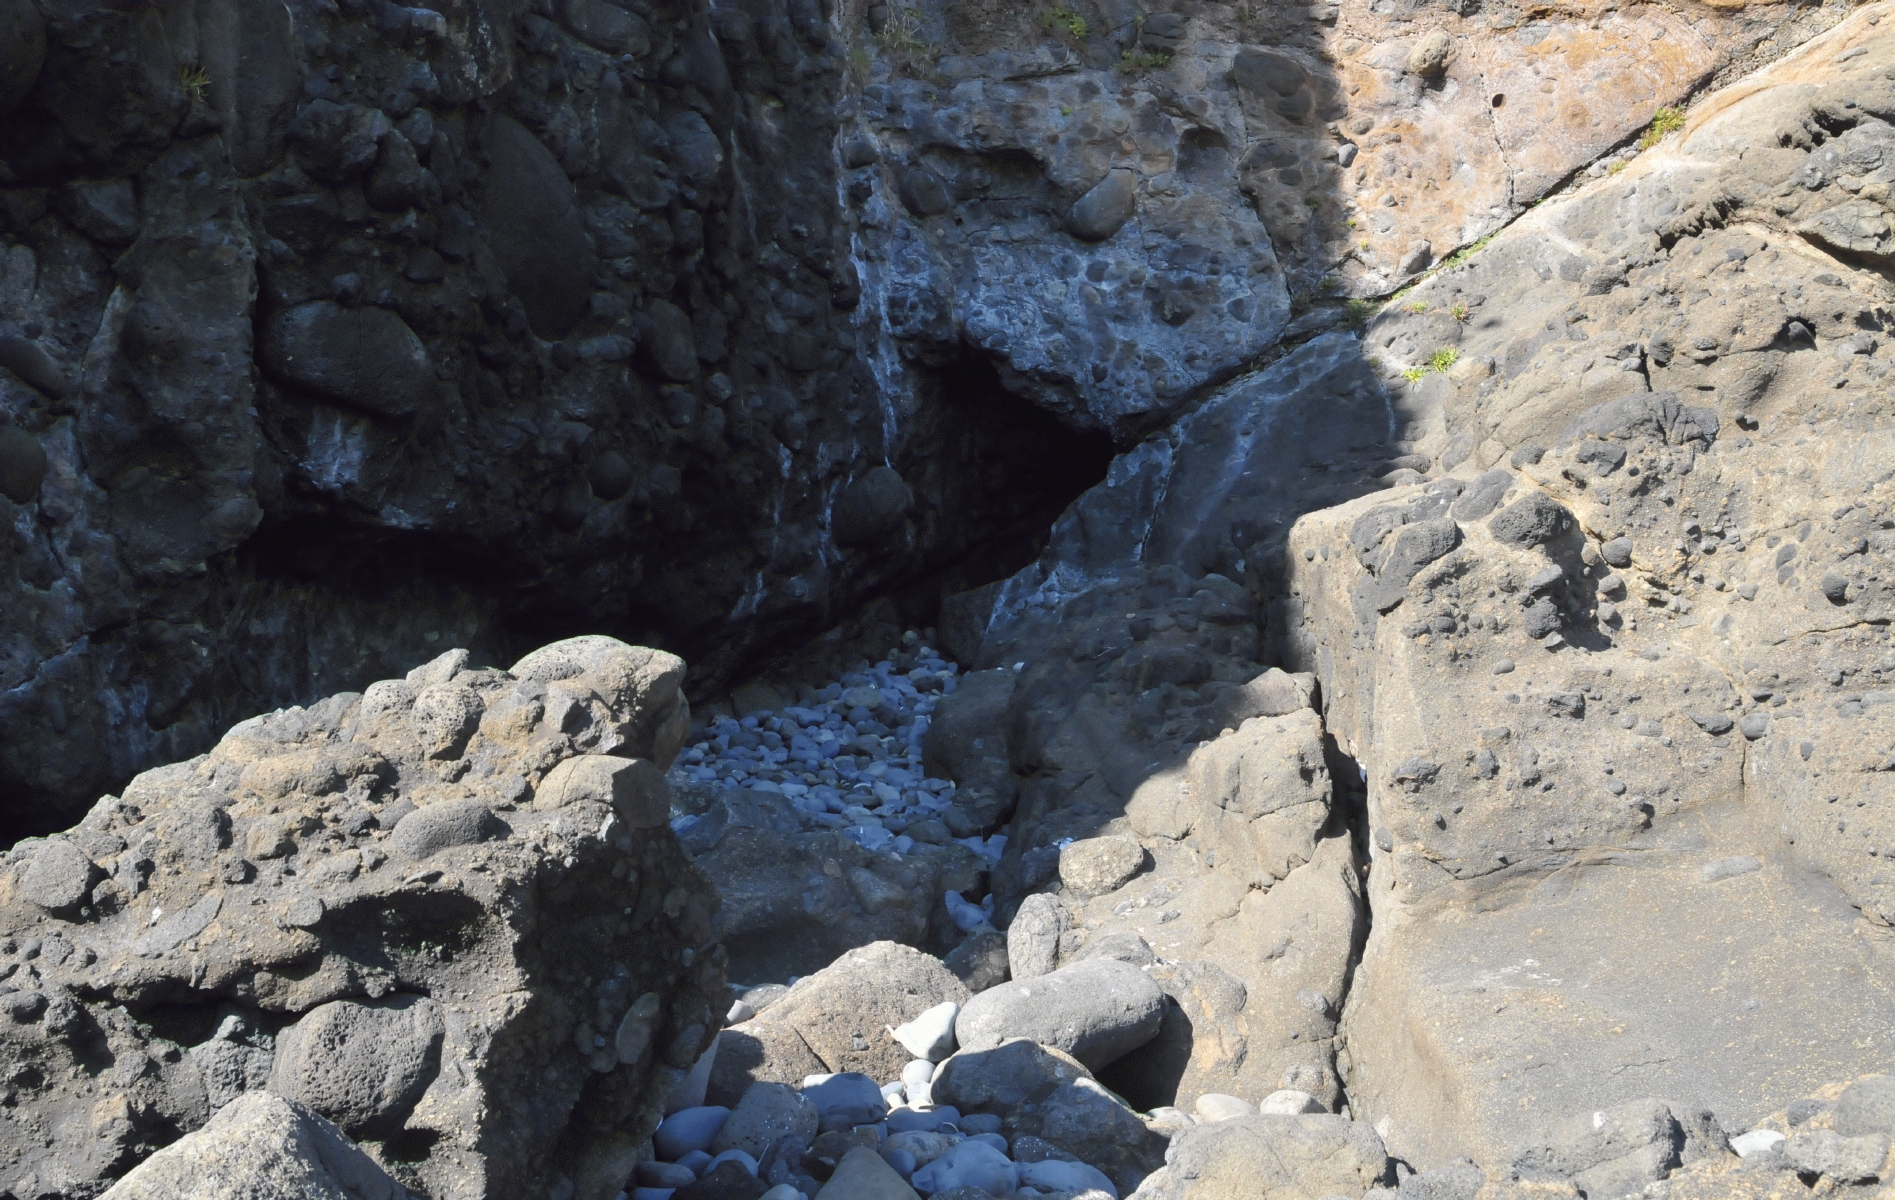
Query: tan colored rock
pixel 263 1147
pixel 1099 865
pixel 836 1020
pixel 1558 748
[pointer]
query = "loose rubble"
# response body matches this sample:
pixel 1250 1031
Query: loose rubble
pixel 851 760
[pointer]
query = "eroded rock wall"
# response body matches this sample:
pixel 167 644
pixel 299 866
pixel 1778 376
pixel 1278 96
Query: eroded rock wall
pixel 332 336
pixel 1612 678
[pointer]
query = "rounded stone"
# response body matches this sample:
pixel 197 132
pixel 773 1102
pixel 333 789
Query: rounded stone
pixel 1617 552
pixel 1290 1102
pixel 923 193
pixel 634 787
pixel 610 475
pixel 1033 936
pixel 1099 865
pixel 767 1112
pixel 365 358
pixel 441 825
pixel 22 50
pixel 539 236
pixel 1003 1077
pixel 1866 1106
pixel 22 465
pixel 1097 1010
pixel 1532 520
pixel 689 1129
pixel 1430 55
pixel 364 1065
pixel 870 507
pixel 60 877
pixel 970 1164
pixel 930 1036
pixel 1105 208
pixel 1216 1106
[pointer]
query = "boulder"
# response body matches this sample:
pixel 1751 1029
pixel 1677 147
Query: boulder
pixel 836 1020
pixel 871 507
pixel 1003 1077
pixel 366 358
pixel 365 1066
pixel 1105 207
pixel 767 1112
pixel 287 868
pixel 1097 1011
pixel 1033 936
pixel 1099 865
pixel 930 1036
pixel 538 234
pixel 263 1147
pixel 1081 1120
pixel 864 1175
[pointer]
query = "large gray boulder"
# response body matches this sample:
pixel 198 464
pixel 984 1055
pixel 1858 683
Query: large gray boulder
pixel 1003 1077
pixel 278 870
pixel 260 1147
pixel 1097 1011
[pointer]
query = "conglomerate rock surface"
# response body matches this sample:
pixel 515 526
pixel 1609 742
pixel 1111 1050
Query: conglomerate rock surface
pixel 332 336
pixel 446 914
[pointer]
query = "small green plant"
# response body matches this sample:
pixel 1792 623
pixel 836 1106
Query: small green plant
pixel 1665 121
pixel 1329 283
pixel 1615 166
pixel 1444 358
pixel 1065 110
pixel 1458 310
pixel 1414 374
pixel 1300 303
pixel 1356 313
pixel 1459 257
pixel 1418 307
pixel 1065 18
pixel 1144 60
pixel 1350 222
pixel 901 40
pixel 196 83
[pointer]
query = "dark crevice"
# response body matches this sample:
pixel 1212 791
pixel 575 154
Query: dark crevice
pixel 1351 812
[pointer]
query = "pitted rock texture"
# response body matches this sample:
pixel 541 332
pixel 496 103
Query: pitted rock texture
pixel 1119 203
pixel 1636 698
pixel 334 335
pixel 504 999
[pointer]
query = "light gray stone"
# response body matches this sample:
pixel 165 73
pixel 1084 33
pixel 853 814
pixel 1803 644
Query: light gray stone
pixel 1097 1010
pixel 260 1146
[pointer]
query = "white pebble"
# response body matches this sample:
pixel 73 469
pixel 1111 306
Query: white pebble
pixel 1215 1106
pixel 931 1035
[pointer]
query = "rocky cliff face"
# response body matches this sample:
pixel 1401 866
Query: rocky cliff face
pixel 336 336
pixel 1454 708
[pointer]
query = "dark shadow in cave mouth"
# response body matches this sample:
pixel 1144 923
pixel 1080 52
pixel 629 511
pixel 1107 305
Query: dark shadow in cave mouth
pixel 991 470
